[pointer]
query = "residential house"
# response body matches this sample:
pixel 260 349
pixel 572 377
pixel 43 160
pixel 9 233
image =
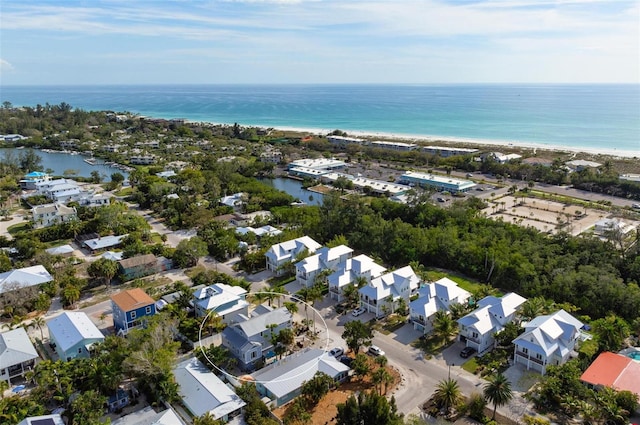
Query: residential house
pixel 251 218
pixel 614 371
pixel 478 327
pixel 266 230
pixel 282 381
pixel 62 250
pixel 142 159
pixel 130 308
pixel 548 339
pixel 580 164
pixel 227 301
pixel 72 334
pixel 142 265
pixel 324 259
pixel 24 280
pixel 148 416
pixel 359 267
pixel 434 297
pixel 612 226
pixel 383 294
pixel 234 201
pixel 17 354
pixel 51 214
pixel 31 179
pixel 95 199
pixel 118 400
pixel 101 243
pixel 203 392
pixel 59 190
pixel 249 340
pixel 280 254
pixel 54 419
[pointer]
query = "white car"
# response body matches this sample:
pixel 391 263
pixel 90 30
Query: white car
pixel 336 352
pixel 376 351
pixel 358 311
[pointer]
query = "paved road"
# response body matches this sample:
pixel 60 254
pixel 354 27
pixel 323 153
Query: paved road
pixel 419 376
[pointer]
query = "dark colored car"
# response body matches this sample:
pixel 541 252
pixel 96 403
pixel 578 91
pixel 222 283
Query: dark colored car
pixel 467 351
pixel 346 360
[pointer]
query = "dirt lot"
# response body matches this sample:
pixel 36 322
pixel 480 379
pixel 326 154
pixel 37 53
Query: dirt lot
pixel 544 215
pixel 325 412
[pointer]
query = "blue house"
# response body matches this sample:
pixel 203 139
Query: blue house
pixel 72 334
pixel 130 308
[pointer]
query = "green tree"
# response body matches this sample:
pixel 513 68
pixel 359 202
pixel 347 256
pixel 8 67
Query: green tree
pixel 70 295
pixel 610 332
pixel 498 391
pixel 316 388
pixel 206 419
pixel 443 325
pixel 87 409
pixel 189 251
pixel 360 365
pixel 356 334
pixel 368 408
pixel 447 395
pixel 104 269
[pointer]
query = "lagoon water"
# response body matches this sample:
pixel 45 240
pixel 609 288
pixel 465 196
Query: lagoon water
pixel 295 189
pixel 585 116
pixel 61 162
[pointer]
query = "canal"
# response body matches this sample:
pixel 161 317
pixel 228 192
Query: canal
pixel 61 162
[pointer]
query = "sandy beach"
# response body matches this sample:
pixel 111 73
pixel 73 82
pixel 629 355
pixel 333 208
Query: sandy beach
pixel 465 142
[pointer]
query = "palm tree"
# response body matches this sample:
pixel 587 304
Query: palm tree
pixel 447 395
pixel 381 361
pixel 498 391
pixel 39 322
pixel 443 325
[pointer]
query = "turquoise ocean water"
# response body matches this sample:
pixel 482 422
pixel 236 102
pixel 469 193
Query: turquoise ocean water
pixel 603 117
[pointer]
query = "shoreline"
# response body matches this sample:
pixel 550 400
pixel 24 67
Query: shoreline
pixel 513 145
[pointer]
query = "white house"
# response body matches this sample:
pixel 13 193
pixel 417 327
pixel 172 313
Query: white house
pixel 54 419
pixel 282 381
pixel 324 259
pixel 17 354
pixel 72 335
pixel 250 340
pixel 234 201
pixel 382 294
pixel 548 339
pixel 607 225
pixel 359 267
pixel 478 327
pixel 148 416
pixel 227 301
pixel 59 190
pixel 280 254
pixel 436 296
pixel 51 214
pixel 203 392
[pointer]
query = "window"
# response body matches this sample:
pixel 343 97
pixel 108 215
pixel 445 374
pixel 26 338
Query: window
pixel 148 309
pixel 79 350
pixel 474 334
pixel 525 350
pixel 133 314
pixel 538 356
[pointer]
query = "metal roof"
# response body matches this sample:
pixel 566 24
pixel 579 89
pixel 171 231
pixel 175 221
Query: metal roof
pixel 16 348
pixel 23 278
pixel 71 328
pixel 202 391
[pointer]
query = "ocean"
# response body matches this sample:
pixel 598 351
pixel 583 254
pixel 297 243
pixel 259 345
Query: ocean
pixel 600 117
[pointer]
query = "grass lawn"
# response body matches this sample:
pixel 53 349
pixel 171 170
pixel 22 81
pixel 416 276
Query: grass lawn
pixel 156 238
pixel 16 228
pixel 126 191
pixel 470 365
pixel 281 280
pixel 464 282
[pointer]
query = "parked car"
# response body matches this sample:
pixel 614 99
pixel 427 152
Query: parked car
pixel 374 350
pixel 346 360
pixel 358 311
pixel 336 352
pixel 467 352
pixel 442 200
pixel 636 206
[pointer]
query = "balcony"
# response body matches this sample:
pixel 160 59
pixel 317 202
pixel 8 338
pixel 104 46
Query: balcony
pixel 335 290
pixel 472 339
pixel 528 357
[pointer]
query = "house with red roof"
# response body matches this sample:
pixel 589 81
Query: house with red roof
pixel 613 370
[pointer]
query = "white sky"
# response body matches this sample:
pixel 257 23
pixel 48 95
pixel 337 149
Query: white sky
pixel 289 41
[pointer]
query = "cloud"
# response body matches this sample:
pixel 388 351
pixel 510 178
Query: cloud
pixel 5 66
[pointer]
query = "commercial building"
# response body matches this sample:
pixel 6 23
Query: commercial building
pixel 440 183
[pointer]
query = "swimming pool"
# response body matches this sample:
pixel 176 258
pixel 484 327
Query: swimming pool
pixel 635 355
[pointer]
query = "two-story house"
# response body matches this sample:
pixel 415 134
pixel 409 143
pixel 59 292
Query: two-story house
pixel 225 300
pixel 359 267
pixel 17 354
pixel 142 265
pixel 477 328
pixel 130 308
pixel 51 214
pixel 434 297
pixel 250 340
pixel 324 259
pixel 72 334
pixel 381 296
pixel 548 339
pixel 280 254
